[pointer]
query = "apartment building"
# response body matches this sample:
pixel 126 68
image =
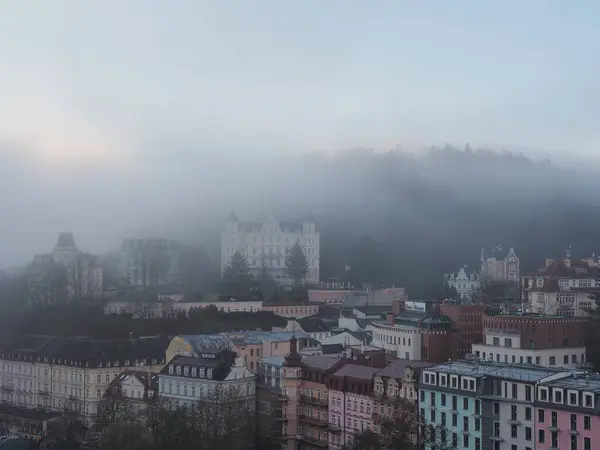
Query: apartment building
pixel 132 392
pixel 292 311
pixel 350 403
pixel 150 261
pixel 484 405
pixel 266 243
pixel 562 287
pixel 429 333
pixel 315 327
pixel 567 413
pixel 550 341
pixel 185 380
pixel 58 374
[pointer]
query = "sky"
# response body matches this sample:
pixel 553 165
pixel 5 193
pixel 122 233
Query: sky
pixel 108 109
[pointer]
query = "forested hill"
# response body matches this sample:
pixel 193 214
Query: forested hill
pixel 397 218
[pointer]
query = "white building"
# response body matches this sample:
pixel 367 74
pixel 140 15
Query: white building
pixel 562 287
pixel 185 380
pixel 58 374
pixel 402 340
pixel 133 391
pixel 466 285
pixel 265 245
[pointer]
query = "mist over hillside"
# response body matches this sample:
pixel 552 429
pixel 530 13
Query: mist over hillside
pixel 409 219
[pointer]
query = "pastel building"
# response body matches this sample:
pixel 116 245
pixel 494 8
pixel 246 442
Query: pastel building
pixel 483 405
pixel 350 403
pixel 567 414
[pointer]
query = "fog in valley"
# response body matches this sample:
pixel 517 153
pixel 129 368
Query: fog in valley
pixel 116 124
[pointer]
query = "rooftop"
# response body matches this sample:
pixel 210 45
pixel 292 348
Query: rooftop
pixel 584 382
pixel 479 369
pixel 356 372
pixel 276 361
pixel 397 368
pixel 312 324
pixel 321 362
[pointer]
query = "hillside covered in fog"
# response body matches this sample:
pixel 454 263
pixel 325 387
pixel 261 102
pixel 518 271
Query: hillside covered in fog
pixel 397 218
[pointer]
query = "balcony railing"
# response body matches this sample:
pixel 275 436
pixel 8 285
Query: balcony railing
pixel 313 441
pixel 314 421
pixel 314 400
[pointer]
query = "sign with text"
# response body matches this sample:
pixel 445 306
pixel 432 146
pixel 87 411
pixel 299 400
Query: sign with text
pixel 415 306
pixel 208 355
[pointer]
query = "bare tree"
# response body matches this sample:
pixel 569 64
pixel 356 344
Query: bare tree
pixel 114 409
pixel 126 436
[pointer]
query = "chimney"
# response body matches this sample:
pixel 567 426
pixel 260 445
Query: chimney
pixel 390 319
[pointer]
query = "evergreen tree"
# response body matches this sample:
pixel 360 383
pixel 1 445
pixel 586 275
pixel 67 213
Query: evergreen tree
pixel 238 269
pixel 296 264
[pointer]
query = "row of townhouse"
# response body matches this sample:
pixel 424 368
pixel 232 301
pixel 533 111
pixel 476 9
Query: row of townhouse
pixel 474 405
pixel 320 401
pixel 50 375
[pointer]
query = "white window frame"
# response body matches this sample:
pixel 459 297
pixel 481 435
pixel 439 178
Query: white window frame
pixel 585 394
pixel 546 391
pixel 452 379
pixel 443 379
pixel 569 392
pixel 562 398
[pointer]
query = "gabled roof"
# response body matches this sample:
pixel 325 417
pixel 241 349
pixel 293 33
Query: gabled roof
pixel 356 372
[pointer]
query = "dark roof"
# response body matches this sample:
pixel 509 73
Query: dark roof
pixel 362 336
pixel 83 350
pixel 328 312
pixel 221 366
pixel 396 368
pixel 321 362
pixel 374 309
pixel 312 324
pixel 149 381
pixel 577 269
pixel 356 372
pixel 363 322
pixel 26 413
pixel 332 349
pixel 16 444
pixel 65 239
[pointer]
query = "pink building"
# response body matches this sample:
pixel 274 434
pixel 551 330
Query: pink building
pixel 350 403
pixel 567 414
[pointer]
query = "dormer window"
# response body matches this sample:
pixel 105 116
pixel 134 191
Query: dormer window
pixel 454 381
pixel 573 398
pixel 201 373
pixel 588 401
pixel 539 282
pixel 558 395
pixel 194 372
pixel 209 374
pixel 170 370
pixel 543 394
pixel 178 370
pixel 186 371
pixel 443 380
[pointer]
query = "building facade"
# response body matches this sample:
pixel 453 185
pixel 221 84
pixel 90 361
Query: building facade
pixel 567 413
pixel 466 285
pixel 58 374
pixel 562 287
pixel 550 341
pixel 265 245
pixel 497 269
pixel 292 311
pixel 217 375
pixel 150 262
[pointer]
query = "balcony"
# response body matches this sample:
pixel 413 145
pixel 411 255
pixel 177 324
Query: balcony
pixel 314 400
pixel 334 428
pixel 7 388
pixel 44 392
pixel 314 421
pixel 313 441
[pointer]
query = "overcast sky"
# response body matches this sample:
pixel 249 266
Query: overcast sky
pixel 104 101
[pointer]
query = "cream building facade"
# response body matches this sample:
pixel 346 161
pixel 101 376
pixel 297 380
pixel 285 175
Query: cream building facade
pixel 266 243
pixel 71 374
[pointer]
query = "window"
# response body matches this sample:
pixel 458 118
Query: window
pixel 541 436
pixel 528 433
pixel 528 413
pixel 514 390
pixel 587 443
pixel 554 419
pixel 466 424
pixel 553 360
pixel 513 431
pixel 528 393
pixel 454 420
pixel 587 423
pixel 572 398
pixel 496 429
pixel 573 422
pixel 443 399
pixel 543 394
pixel 477 424
pixel 541 415
pixel 496 408
pixel 466 404
pixel 513 412
pixel 554 437
pixel 454 403
pixel 588 401
pixel 209 373
pixel 566 359
pixel 466 440
pixel 558 396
